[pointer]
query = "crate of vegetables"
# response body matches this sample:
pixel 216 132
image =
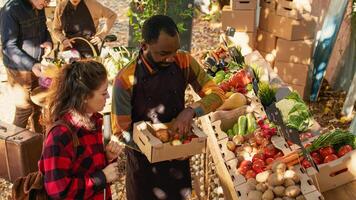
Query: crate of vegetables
pixel 226 123
pixel 159 143
pixel 279 182
pixel 335 155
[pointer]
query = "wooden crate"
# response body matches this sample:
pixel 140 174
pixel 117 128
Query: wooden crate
pixel 335 173
pixel 308 189
pixel 157 151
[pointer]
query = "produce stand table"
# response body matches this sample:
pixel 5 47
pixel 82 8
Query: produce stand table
pixel 228 181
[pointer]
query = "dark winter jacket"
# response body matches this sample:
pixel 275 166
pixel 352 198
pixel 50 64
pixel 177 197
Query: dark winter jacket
pixel 23 29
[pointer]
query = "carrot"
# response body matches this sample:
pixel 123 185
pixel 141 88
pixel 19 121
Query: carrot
pixel 290 158
pixel 293 162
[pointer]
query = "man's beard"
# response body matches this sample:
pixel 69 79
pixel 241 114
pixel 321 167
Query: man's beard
pixel 159 65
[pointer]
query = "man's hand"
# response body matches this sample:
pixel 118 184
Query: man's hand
pixel 184 120
pixel 112 150
pixel 67 44
pixel 95 40
pixel 47 46
pixel 37 69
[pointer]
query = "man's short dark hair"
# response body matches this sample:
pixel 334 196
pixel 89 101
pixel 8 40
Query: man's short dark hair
pixel 155 24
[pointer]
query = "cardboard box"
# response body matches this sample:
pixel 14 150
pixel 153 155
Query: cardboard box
pixel 288 12
pixel 157 151
pixel 271 4
pixel 241 20
pixel 291 73
pixel 298 51
pixel 265 41
pixel 243 4
pixel 287 28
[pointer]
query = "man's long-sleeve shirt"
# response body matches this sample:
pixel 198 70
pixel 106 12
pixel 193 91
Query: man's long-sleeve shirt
pixel 211 95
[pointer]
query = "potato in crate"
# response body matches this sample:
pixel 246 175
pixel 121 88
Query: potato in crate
pixel 159 143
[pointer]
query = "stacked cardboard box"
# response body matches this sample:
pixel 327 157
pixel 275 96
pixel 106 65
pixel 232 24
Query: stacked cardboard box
pixel 241 15
pixel 285 38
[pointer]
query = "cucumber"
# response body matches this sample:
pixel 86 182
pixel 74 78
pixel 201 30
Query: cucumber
pixel 235 128
pixel 230 133
pixel 251 123
pixel 242 125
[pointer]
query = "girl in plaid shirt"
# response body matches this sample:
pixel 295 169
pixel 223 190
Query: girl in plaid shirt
pixel 83 170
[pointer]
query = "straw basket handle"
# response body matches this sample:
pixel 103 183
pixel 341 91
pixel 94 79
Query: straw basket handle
pixel 95 54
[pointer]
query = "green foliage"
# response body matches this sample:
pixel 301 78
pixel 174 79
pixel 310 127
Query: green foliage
pixel 295 112
pixel 141 10
pixel 266 93
pixel 118 58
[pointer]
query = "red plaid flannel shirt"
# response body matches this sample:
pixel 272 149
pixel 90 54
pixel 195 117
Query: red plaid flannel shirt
pixel 69 176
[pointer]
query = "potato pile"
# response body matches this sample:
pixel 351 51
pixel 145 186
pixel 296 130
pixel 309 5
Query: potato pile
pixel 279 183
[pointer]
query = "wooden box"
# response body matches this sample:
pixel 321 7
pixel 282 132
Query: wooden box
pixel 335 173
pixel 157 151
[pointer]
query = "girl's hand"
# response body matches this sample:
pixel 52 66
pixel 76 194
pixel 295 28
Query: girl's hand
pixel 112 150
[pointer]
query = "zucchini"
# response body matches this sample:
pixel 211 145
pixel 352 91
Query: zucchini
pixel 242 125
pixel 251 123
pixel 230 133
pixel 235 128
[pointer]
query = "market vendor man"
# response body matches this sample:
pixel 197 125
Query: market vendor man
pixel 151 88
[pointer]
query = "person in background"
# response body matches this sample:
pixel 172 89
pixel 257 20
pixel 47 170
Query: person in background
pixel 80 18
pixel 82 168
pixel 25 40
pixel 151 88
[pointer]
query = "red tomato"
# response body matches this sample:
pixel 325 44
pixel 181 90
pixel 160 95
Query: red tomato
pixel 243 169
pixel 176 136
pixel 326 151
pixel 306 164
pixel 246 163
pixel 186 141
pixel 269 161
pixel 330 158
pixel 258 156
pixel 344 150
pixel 224 86
pixel 270 151
pixel 316 157
pixel 258 166
pixel 250 174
